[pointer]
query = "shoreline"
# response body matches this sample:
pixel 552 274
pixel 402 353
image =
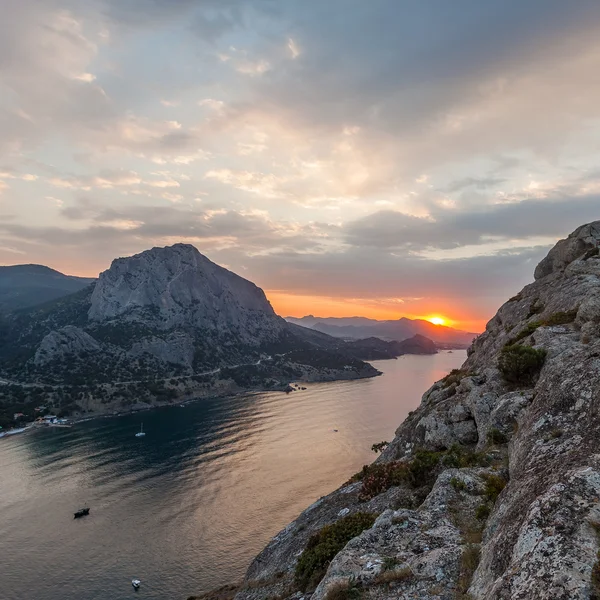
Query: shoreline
pixel 184 401
pixel 296 385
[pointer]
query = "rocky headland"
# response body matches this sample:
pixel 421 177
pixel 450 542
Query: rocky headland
pixel 162 326
pixel 491 488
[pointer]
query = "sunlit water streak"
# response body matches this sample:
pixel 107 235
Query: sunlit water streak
pixel 187 507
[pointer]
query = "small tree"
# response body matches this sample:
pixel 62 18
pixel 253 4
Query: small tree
pixel 379 447
pixel 520 364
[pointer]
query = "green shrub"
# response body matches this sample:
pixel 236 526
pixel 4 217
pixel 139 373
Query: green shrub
pixel 455 376
pixel 379 477
pixel 458 484
pixel 379 447
pixel 494 484
pixel 325 544
pixel 459 457
pixel 419 472
pixel 389 563
pixel 469 561
pixel 496 437
pixel 421 469
pixel 483 512
pixel 520 364
pixel 527 331
pixel 561 318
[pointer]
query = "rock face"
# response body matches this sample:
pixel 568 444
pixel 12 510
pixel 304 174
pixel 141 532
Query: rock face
pixel 65 342
pixel 179 287
pixel 583 239
pixel 491 488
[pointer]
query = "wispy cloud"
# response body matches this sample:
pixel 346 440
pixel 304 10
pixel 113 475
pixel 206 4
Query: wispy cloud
pixel 353 150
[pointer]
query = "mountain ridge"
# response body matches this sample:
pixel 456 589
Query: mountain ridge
pixel 398 329
pixel 22 286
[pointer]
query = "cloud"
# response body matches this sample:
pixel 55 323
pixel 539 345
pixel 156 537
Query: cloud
pixel 447 228
pixel 384 150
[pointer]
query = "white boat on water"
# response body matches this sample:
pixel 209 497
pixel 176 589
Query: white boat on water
pixel 140 433
pixel 136 584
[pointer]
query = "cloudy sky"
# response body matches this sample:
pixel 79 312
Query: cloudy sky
pixel 381 157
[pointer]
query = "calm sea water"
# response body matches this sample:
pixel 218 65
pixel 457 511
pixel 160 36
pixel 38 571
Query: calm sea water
pixel 187 507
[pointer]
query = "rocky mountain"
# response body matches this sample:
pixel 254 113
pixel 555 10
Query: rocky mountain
pixel 157 326
pixel 22 286
pixel 376 349
pixel 490 490
pixel 368 348
pixel 398 330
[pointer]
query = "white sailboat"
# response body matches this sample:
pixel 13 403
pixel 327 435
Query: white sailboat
pixel 140 433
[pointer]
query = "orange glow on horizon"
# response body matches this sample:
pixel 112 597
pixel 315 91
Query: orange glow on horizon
pixel 292 305
pixel 437 320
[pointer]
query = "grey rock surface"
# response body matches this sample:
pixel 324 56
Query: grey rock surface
pixel 179 287
pixel 541 539
pixel 65 342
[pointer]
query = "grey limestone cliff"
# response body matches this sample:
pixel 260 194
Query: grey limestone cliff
pixel 179 287
pixel 491 488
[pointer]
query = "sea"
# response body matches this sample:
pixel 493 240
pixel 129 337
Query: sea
pixel 186 507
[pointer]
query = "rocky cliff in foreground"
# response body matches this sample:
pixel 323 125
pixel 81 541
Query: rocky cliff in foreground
pixel 491 488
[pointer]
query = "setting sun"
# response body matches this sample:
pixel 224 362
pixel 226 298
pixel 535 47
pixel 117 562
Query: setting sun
pixel 437 320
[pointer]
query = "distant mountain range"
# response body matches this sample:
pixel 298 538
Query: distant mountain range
pixel 22 286
pixel 354 328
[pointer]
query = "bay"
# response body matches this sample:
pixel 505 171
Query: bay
pixel 186 507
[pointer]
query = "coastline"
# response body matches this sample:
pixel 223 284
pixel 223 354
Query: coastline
pixel 196 395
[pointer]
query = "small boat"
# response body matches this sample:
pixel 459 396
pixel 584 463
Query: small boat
pixel 136 584
pixel 140 433
pixel 82 512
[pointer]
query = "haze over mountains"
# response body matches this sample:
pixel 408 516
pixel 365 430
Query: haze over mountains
pixel 22 286
pixel 398 330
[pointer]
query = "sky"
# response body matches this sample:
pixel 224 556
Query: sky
pixel 385 158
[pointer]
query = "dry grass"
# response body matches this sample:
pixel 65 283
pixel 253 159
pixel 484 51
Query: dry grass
pixel 260 583
pixel 399 520
pixel 226 592
pixel 470 528
pixel 343 590
pixel 468 563
pixel 393 576
pixel 473 536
